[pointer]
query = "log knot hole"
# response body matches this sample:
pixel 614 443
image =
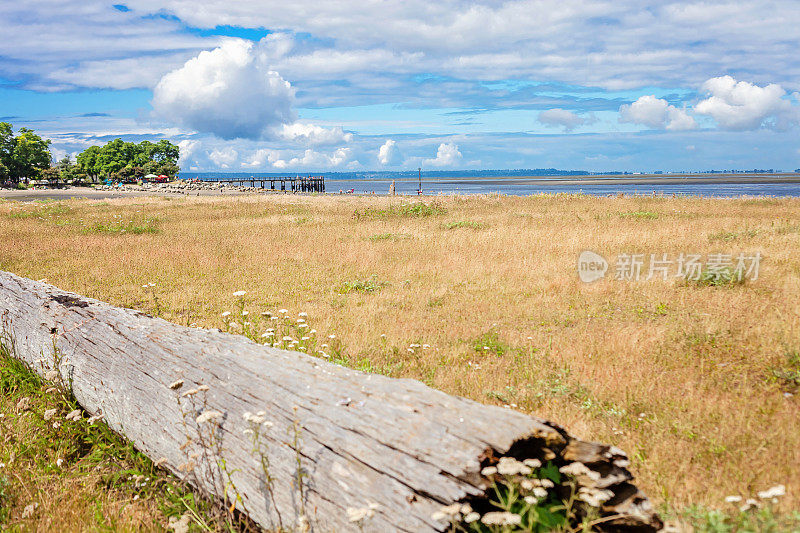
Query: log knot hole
pixel 69 301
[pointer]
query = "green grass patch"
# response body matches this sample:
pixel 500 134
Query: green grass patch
pixel 736 520
pixel 490 343
pixel 788 376
pixel 45 211
pixel 364 286
pixel 148 225
pixel 388 237
pixel 405 210
pixel 469 224
pixel 728 236
pixel 725 277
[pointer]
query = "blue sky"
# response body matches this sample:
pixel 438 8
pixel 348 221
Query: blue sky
pixel 393 85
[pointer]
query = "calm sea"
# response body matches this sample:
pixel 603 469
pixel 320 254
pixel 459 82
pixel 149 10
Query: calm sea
pixel 528 186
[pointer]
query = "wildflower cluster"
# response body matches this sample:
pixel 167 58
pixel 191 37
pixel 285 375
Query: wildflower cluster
pixel 529 496
pixel 279 330
pixel 769 496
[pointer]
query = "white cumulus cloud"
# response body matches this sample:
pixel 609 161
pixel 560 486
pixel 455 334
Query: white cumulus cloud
pixel 313 135
pixel 316 160
pixel 229 91
pixel 563 118
pixel 389 154
pixel 447 155
pixel 224 157
pixel 656 113
pixel 740 105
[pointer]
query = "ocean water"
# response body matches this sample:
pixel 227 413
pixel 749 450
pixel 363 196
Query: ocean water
pixel 529 186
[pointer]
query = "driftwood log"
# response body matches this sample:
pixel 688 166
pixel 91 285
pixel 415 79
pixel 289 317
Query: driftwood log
pixel 362 439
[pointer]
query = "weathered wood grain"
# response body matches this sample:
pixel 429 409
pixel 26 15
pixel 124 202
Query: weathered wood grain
pixel 364 438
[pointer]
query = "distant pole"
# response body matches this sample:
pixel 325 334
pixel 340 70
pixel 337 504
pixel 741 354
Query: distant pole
pixel 419 190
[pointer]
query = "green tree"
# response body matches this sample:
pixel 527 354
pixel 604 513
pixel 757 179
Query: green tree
pixel 88 162
pixel 6 150
pixel 124 160
pixel 23 156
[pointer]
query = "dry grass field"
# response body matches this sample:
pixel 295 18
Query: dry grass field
pixel 480 297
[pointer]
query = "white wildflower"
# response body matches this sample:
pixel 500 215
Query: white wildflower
pixel 594 497
pixel 331 336
pixel 749 504
pixel 208 415
pixel 237 294
pixel 245 313
pixel 29 509
pixel 74 415
pixel 233 325
pixel 489 471
pixel 531 500
pixel 508 466
pixel 774 492
pixel 282 311
pixel 175 385
pixel 471 517
pixel 302 314
pixel 50 413
pixel 180 525
pixel 733 499
pixel 24 404
pixel 226 313
pixel 52 375
pixel 202 388
pixel 267 334
pixel 59 462
pixel 533 463
pixel 501 519
pixel 451 510
pixel 92 419
pixel 190 392
pixel 540 492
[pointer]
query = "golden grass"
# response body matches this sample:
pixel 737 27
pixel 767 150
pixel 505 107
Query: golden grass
pixel 678 375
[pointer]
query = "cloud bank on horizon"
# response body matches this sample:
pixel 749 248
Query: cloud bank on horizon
pixel 531 83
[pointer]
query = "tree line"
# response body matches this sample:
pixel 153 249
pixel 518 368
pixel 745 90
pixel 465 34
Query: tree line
pixel 26 156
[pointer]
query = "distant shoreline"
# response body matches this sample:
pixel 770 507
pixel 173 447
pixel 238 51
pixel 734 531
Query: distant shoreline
pixel 643 180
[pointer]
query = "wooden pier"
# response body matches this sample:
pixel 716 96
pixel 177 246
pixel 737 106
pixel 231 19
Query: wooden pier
pixel 297 184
